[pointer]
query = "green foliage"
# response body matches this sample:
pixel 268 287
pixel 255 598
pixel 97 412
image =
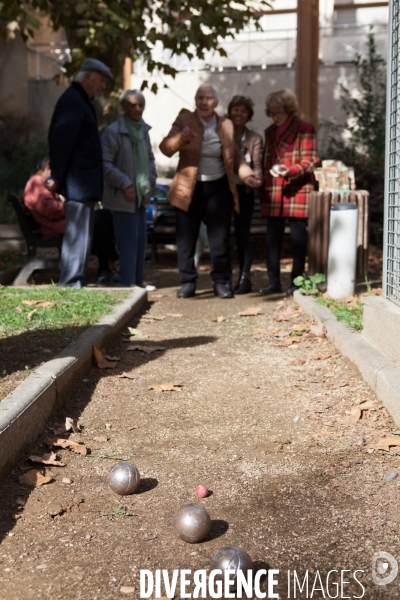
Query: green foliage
pixel 114 29
pixel 70 308
pixel 352 316
pixel 361 141
pixel 19 154
pixel 118 512
pixel 309 285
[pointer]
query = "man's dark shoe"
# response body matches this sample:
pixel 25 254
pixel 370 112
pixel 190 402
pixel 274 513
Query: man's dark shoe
pixel 270 288
pixel 243 285
pixel 290 291
pixel 223 290
pixel 107 278
pixel 187 290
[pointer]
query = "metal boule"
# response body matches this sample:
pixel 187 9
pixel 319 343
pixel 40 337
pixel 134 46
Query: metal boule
pixel 124 478
pixel 192 523
pixel 231 558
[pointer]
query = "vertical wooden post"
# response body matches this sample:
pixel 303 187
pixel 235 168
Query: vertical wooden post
pixel 307 59
pixel 127 72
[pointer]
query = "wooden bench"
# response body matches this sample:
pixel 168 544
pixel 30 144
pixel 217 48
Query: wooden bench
pixel 164 230
pixel 33 239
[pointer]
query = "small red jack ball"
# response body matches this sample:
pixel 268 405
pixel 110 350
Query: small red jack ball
pixel 201 491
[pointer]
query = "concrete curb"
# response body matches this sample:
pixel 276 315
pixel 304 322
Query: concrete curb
pixel 24 412
pixel 380 372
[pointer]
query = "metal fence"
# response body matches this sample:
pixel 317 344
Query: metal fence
pixel 391 262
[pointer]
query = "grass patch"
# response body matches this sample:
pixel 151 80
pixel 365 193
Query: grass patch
pixel 351 315
pixel 118 512
pixel 53 308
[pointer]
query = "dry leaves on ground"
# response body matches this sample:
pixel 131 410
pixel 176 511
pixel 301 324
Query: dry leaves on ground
pixel 286 314
pixel 62 443
pixel 166 387
pixel 101 360
pixel 297 362
pixel 34 477
pixel 69 425
pixel 174 315
pixel 339 384
pixel 318 330
pixel 356 411
pixel 386 442
pixel 321 356
pixel 146 349
pixel 252 311
pixel 38 303
pixel 50 458
pixel 100 438
pixel 134 333
pixel 126 376
pixel 219 319
pixel 294 339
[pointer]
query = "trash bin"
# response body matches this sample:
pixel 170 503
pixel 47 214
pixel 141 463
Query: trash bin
pixel 342 250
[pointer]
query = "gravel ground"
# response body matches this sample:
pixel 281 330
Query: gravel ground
pixel 268 421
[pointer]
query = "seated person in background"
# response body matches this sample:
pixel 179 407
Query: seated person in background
pixel 47 208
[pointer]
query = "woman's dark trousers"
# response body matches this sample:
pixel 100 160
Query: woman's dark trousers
pixel 298 237
pixel 212 202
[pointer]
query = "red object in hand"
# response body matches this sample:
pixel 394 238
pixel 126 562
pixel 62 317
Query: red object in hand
pixel 201 491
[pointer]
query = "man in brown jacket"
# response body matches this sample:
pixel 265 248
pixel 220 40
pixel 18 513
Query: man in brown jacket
pixel 204 188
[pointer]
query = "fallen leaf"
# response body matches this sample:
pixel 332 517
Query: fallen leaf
pixel 369 404
pixel 166 387
pixel 126 375
pixel 31 313
pixel 62 443
pixel 299 362
pixel 286 314
pixel 47 459
pixel 127 589
pixel 101 361
pixel 174 315
pixel 385 443
pixel 317 356
pixel 318 330
pixel 355 414
pixel 294 339
pixel 38 303
pixel 339 384
pixel 220 319
pixel 18 309
pixel 146 349
pixel 71 423
pixel 252 311
pixel 100 438
pixel 152 318
pixel 34 477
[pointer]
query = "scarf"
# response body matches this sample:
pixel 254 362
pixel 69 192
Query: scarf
pixel 140 158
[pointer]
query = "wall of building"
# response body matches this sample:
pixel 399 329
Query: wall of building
pixel 13 79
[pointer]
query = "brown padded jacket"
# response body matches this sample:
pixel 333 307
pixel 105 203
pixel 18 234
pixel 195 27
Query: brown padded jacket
pixel 182 188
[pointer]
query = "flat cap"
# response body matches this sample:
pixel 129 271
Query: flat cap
pixel 92 64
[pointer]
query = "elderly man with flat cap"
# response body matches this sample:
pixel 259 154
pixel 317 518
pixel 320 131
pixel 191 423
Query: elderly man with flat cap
pixel 76 166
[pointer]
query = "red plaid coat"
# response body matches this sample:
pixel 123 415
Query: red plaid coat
pixel 297 149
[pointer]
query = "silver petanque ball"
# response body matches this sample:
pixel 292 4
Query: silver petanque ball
pixel 124 478
pixel 192 523
pixel 231 558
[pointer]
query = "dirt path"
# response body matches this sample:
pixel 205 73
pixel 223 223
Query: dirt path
pixel 267 426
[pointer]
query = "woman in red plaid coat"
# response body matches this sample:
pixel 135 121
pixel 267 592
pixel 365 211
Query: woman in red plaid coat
pixel 290 155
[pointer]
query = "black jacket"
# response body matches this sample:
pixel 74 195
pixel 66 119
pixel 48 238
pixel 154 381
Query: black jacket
pixel 75 149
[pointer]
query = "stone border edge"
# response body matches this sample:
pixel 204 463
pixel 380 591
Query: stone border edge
pixel 25 411
pixel 379 371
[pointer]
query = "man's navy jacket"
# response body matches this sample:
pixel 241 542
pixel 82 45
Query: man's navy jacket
pixel 75 149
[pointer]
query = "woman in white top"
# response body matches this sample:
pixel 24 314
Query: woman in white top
pixel 204 188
